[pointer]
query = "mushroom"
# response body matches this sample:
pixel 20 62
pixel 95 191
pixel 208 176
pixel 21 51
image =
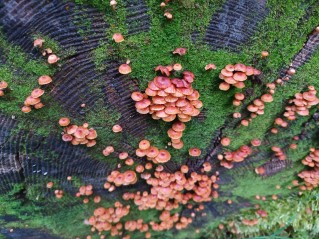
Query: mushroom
pixel 225 141
pixel 3 85
pixel 194 152
pixel 180 51
pixel 26 109
pixel 117 128
pixel 125 69
pixel 64 121
pixel 264 54
pixel 118 37
pixel 210 67
pixel 53 59
pixel 38 42
pixel 44 80
pixel 36 93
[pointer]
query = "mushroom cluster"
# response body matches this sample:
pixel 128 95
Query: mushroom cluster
pixel 108 219
pixel 279 153
pixel 301 104
pixel 169 190
pixel 85 190
pixel 311 177
pixel 281 122
pixel 167 98
pixel 118 179
pixel 33 100
pixel 58 193
pixel 152 153
pixel 52 58
pixel 3 87
pixel 236 75
pixel 167 13
pixel 167 222
pixel 175 133
pixel 78 134
pixel 239 155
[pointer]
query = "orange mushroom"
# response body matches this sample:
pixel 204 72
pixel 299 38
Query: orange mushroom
pixel 194 152
pixel 44 80
pixel 125 69
pixel 118 37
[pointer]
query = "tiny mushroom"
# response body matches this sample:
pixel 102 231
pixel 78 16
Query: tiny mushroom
pixel 44 80
pixel 53 59
pixel 195 152
pixel 117 128
pixel 118 37
pixel 125 69
pixel 180 51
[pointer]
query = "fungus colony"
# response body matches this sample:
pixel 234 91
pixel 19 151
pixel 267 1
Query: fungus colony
pixel 301 104
pixel 52 58
pixel 3 87
pixel 236 75
pixel 35 98
pixel 168 191
pixel 170 98
pixel 310 177
pixel 78 134
pixel 152 153
pixel 239 155
pixel 167 98
pixel 175 133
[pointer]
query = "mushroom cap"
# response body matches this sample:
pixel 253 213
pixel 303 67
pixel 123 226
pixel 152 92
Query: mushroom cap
pixel 195 152
pixel 180 51
pixel 3 85
pixel 144 144
pixel 118 37
pixel 178 126
pixel 49 184
pixel 142 104
pixel 125 69
pixel 1 93
pixel 171 110
pixel 239 96
pixel 117 128
pixel 129 176
pixel 38 42
pixel 39 105
pixel 177 67
pixel 92 134
pixel 240 67
pixel 31 101
pixel 91 143
pixel 26 109
pixel 162 82
pixel 64 121
pixel 174 134
pixel 123 155
pixel 210 66
pixel 81 132
pixel 67 137
pixel 53 59
pixel 178 145
pixel 36 93
pixel 240 76
pixel 267 98
pixel 137 96
pixel 227 73
pixel 225 141
pixel 152 152
pixel 44 80
pixel 163 156
pixel 224 86
pixel 255 142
